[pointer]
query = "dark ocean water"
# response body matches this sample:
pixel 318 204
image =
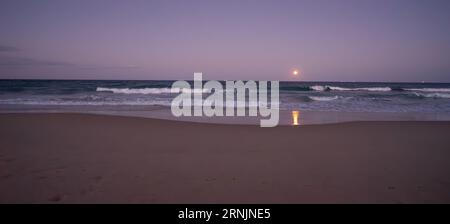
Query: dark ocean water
pixel 305 96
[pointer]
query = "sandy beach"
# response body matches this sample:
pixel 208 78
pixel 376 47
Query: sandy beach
pixel 81 158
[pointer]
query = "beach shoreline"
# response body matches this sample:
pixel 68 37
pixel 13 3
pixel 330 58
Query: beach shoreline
pixel 286 117
pixel 86 158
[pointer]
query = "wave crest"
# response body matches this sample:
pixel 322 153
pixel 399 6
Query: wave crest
pixel 337 88
pixel 430 89
pixel 323 98
pixel 150 90
pixel 433 95
pixel 319 88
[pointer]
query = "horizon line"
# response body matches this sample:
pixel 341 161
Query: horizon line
pixel 169 80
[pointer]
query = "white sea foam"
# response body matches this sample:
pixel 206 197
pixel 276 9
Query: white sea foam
pixel 379 89
pixel 148 90
pixel 430 89
pixel 336 88
pixel 318 88
pixel 323 98
pixel 434 95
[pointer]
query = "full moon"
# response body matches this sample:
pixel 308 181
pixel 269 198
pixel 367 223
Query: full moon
pixel 295 72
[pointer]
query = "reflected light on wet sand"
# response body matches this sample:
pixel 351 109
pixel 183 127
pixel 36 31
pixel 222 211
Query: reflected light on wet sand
pixel 295 116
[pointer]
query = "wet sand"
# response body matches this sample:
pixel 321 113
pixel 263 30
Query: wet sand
pixel 80 158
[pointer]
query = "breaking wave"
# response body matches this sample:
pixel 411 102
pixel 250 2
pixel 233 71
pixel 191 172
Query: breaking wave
pixel 320 88
pixel 430 89
pixel 149 90
pixel 323 98
pixel 433 95
pixel 336 88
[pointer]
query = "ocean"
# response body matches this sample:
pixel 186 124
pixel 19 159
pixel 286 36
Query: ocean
pixel 343 101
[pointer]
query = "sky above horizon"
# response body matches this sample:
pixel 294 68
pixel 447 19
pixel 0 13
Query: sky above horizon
pixel 327 40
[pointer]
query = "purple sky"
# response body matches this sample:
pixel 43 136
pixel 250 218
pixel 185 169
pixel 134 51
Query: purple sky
pixel 329 40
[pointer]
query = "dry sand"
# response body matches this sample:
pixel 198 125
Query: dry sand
pixel 75 158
